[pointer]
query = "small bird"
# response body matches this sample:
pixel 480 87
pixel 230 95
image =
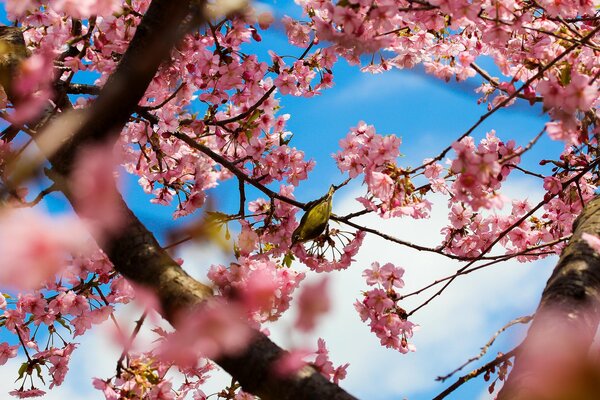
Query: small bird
pixel 315 219
pixel 12 52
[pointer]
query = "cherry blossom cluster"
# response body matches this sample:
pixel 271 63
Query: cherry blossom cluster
pixel 567 190
pixel 215 328
pixel 272 225
pixel 391 192
pixel 56 309
pixel 470 232
pixel 264 287
pixel 481 170
pixel 208 67
pixel 447 37
pixel 380 308
pixel 316 257
pixel 294 360
pixel 146 377
pixel 77 9
pixel 325 366
pixel 564 99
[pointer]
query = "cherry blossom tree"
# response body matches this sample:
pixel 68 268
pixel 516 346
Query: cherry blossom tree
pixel 180 100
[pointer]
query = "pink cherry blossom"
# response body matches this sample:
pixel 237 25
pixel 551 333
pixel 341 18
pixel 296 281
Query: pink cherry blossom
pixel 40 243
pixel 313 302
pixel 94 188
pixel 7 352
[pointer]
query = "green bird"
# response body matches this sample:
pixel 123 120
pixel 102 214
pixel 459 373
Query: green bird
pixel 315 219
pixel 12 52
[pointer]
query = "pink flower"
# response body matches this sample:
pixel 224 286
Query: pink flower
pixel 86 8
pixel 460 216
pixel 290 362
pixel 215 328
pixel 381 185
pixel 553 185
pixel 378 300
pixel 162 391
pixel 7 352
pixel 313 302
pixel 24 394
pixel 247 239
pixel 579 93
pixel 259 290
pixel 40 244
pixel 265 19
pixel 392 276
pixel 106 388
pixel 94 189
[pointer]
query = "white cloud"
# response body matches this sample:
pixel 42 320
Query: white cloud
pixel 369 86
pixel 453 327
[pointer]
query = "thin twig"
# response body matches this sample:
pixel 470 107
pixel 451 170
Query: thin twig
pixel 507 230
pixel 264 97
pixel 496 84
pixel 136 330
pixel 500 105
pixel 476 372
pixel 484 349
pixel 495 260
pixel 40 196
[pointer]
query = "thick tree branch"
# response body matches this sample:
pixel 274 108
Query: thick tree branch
pixel 567 316
pixel 134 251
pixel 162 26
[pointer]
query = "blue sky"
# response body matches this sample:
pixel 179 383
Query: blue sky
pixel 428 114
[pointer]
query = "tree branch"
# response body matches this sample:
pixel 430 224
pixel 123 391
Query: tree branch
pixel 134 251
pixel 161 28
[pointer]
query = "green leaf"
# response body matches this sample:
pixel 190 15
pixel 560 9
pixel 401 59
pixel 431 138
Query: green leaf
pixel 64 324
pixel 287 260
pixel 39 373
pixel 22 370
pixel 565 74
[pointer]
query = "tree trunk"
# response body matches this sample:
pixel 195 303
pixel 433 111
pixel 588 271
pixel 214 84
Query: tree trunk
pixel 554 362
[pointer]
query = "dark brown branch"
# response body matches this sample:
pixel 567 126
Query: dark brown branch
pixel 158 32
pixel 274 195
pixel 485 348
pixel 475 373
pixel 81 88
